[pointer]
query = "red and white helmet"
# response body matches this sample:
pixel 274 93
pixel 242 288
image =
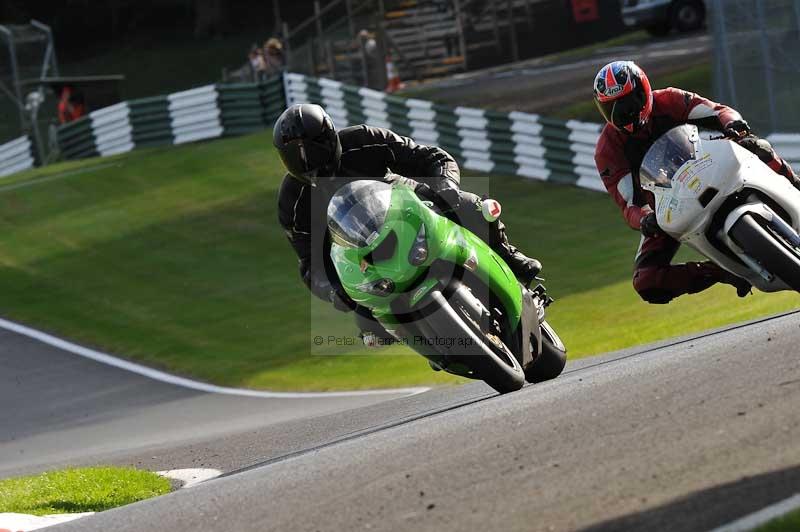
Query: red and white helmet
pixel 623 95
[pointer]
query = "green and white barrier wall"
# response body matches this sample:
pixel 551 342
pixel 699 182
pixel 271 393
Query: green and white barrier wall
pixel 198 114
pixel 515 143
pixel 16 156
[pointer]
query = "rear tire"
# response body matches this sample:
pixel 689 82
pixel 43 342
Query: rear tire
pixel 552 359
pixel 775 254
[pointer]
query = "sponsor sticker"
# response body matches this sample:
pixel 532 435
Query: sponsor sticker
pixel 673 208
pixel 695 168
pixel 703 163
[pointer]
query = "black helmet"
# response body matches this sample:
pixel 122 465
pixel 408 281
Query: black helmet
pixel 308 143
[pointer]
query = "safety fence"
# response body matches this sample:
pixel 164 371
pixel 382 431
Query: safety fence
pixel 203 113
pixel 515 143
pixel 16 156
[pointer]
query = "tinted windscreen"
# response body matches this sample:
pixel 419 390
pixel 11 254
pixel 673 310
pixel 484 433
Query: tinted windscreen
pixel 667 155
pixel 357 212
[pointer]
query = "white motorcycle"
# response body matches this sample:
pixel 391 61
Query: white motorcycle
pixel 723 201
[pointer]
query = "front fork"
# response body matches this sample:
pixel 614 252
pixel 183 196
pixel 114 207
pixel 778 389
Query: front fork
pixel 535 301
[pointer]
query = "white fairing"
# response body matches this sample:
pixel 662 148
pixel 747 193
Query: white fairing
pixel 729 168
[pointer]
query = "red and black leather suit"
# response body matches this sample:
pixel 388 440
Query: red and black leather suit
pixel 618 156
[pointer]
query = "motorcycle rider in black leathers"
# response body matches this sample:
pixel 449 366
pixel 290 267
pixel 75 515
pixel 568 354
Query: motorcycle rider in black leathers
pixel 319 160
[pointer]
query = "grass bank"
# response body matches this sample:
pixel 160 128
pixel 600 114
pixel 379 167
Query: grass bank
pixel 695 79
pixel 91 489
pixel 787 523
pixel 173 257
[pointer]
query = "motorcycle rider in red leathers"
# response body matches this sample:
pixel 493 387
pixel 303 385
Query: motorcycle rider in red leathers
pixel 636 117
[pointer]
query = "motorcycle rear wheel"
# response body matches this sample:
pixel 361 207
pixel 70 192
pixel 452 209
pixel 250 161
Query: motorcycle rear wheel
pixel 552 359
pixel 776 255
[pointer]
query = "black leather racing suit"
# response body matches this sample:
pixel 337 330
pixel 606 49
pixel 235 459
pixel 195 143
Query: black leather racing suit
pixel 371 153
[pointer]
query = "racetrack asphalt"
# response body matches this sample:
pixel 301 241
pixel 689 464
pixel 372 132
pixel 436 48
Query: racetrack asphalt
pixel 686 435
pixel 60 409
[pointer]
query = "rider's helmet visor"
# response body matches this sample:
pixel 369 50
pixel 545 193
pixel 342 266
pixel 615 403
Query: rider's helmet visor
pixel 625 110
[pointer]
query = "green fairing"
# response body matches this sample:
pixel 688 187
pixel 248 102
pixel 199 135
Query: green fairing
pixel 446 241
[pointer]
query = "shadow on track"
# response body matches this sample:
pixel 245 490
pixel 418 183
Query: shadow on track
pixel 713 507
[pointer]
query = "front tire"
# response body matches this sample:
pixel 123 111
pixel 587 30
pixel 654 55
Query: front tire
pixel 497 367
pixel 551 361
pixel 776 255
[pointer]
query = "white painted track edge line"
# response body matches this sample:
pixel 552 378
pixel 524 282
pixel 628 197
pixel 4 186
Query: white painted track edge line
pixel 183 382
pixel 763 516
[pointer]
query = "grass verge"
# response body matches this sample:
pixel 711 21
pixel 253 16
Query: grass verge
pixel 787 523
pixel 91 489
pixel 174 257
pixel 694 79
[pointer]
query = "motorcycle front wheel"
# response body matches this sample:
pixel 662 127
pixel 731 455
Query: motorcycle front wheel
pixel 771 250
pixel 495 364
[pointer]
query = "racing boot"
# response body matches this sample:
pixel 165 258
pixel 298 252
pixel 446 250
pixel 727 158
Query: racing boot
pixel 743 288
pixel 525 268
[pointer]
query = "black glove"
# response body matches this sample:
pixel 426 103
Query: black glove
pixel 445 195
pixel 649 225
pixel 340 300
pixel 761 147
pixel 736 129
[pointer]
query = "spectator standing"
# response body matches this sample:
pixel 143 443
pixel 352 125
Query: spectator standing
pixel 374 67
pixel 71 105
pixel 257 64
pixel 274 61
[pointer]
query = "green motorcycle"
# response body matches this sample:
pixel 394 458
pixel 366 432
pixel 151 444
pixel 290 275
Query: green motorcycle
pixel 439 289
